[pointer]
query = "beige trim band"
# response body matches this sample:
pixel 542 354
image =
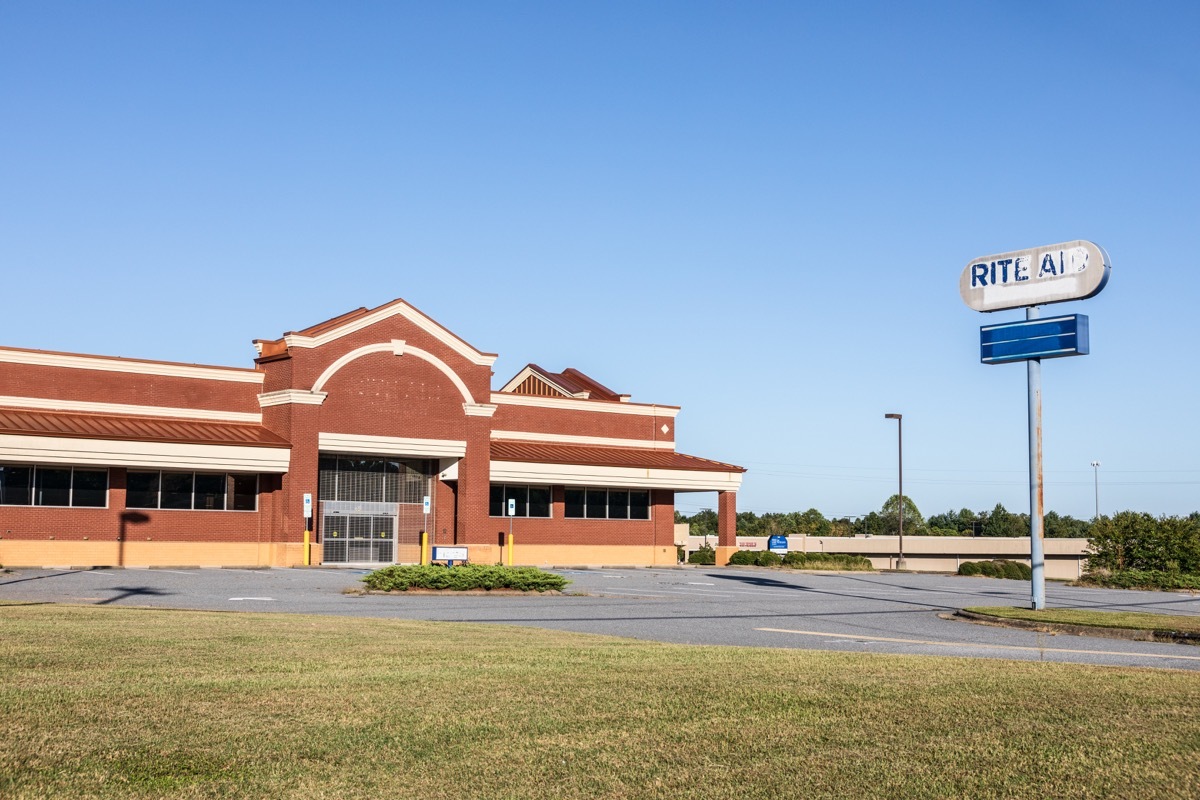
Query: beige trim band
pixel 284 397
pixel 390 445
pixel 585 475
pixel 601 406
pixel 158 455
pixel 564 438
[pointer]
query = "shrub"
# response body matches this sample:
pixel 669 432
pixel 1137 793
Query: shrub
pixel 1140 579
pixel 1000 568
pixel 705 556
pixel 1140 542
pixel 743 558
pixel 463 577
pixel 768 559
pixel 840 561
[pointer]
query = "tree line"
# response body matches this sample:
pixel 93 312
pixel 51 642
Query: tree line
pixel 886 522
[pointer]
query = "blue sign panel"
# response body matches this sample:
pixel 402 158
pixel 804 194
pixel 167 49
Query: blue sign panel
pixel 777 544
pixel 1053 337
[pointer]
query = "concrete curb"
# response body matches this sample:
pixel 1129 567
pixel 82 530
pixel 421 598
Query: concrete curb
pixel 1128 634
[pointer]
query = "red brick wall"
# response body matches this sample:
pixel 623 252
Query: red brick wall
pixel 105 524
pixel 96 386
pixel 385 395
pixel 558 529
pixel 582 423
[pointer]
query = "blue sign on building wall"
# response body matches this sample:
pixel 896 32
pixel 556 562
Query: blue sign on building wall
pixel 1052 337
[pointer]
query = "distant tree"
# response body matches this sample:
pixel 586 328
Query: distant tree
pixel 841 527
pixel 813 523
pixel 870 525
pixel 748 524
pixel 702 523
pixel 914 523
pixel 1001 522
pixel 1064 527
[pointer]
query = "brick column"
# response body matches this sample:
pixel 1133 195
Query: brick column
pixel 726 526
pixel 474 487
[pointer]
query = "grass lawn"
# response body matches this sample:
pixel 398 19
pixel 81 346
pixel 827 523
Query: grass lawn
pixel 1182 623
pixel 128 703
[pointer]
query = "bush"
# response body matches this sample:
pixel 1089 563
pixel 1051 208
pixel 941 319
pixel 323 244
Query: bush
pixel 1140 579
pixel 840 561
pixel 1000 568
pixel 462 578
pixel 704 556
pixel 755 558
pixel 1140 542
pixel 768 559
pixel 743 558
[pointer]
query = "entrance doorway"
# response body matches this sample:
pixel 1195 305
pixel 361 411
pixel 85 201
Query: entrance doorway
pixel 372 508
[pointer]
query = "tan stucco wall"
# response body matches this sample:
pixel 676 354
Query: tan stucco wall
pixel 1065 558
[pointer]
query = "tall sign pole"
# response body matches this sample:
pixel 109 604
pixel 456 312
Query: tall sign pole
pixel 1027 279
pixel 1037 558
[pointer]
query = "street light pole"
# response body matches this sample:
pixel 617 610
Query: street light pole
pixel 1096 471
pixel 900 453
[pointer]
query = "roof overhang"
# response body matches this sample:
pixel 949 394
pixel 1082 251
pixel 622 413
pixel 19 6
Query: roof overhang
pixel 133 453
pixel 632 477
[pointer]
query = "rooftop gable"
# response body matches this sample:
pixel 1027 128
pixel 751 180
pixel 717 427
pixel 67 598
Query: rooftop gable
pixel 352 321
pixel 536 381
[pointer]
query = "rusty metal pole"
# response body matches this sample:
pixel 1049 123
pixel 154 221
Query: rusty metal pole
pixel 1037 560
pixel 900 564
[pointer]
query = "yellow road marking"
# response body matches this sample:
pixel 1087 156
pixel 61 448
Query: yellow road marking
pixel 972 644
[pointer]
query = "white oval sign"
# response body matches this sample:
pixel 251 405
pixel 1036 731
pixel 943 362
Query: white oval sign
pixel 1054 273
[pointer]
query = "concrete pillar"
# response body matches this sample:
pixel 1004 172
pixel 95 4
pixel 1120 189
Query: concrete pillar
pixel 726 526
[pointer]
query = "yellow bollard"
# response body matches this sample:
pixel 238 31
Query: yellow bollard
pixel 424 548
pixel 307 548
pixel 510 548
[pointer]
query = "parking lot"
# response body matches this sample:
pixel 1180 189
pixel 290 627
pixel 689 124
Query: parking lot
pixel 860 612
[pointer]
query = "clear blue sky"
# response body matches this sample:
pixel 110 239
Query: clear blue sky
pixel 758 211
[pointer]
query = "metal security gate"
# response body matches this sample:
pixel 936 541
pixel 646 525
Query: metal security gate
pixel 358 533
pixel 372 509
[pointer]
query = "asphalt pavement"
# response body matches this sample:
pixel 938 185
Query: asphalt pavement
pixel 853 612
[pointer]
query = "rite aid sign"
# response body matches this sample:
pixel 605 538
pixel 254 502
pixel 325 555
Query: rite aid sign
pixel 1051 274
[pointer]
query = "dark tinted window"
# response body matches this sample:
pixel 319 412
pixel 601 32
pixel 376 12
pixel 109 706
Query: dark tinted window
pixel 618 504
pixel 210 492
pixel 539 501
pixel 243 492
pixel 141 490
pixel 89 487
pixel 573 506
pixel 176 490
pixel 52 487
pixel 639 505
pixel 520 497
pixel 15 486
pixel 496 500
pixel 596 503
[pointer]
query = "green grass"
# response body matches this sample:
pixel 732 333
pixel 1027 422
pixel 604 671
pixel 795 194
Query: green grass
pixel 126 703
pixel 1180 623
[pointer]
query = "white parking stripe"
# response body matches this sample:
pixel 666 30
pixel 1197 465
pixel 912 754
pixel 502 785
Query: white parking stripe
pixel 861 637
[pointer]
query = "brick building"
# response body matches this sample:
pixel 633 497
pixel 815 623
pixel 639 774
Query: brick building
pixel 118 461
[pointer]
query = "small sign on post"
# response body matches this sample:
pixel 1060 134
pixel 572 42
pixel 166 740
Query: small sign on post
pixel 307 505
pixel 778 544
